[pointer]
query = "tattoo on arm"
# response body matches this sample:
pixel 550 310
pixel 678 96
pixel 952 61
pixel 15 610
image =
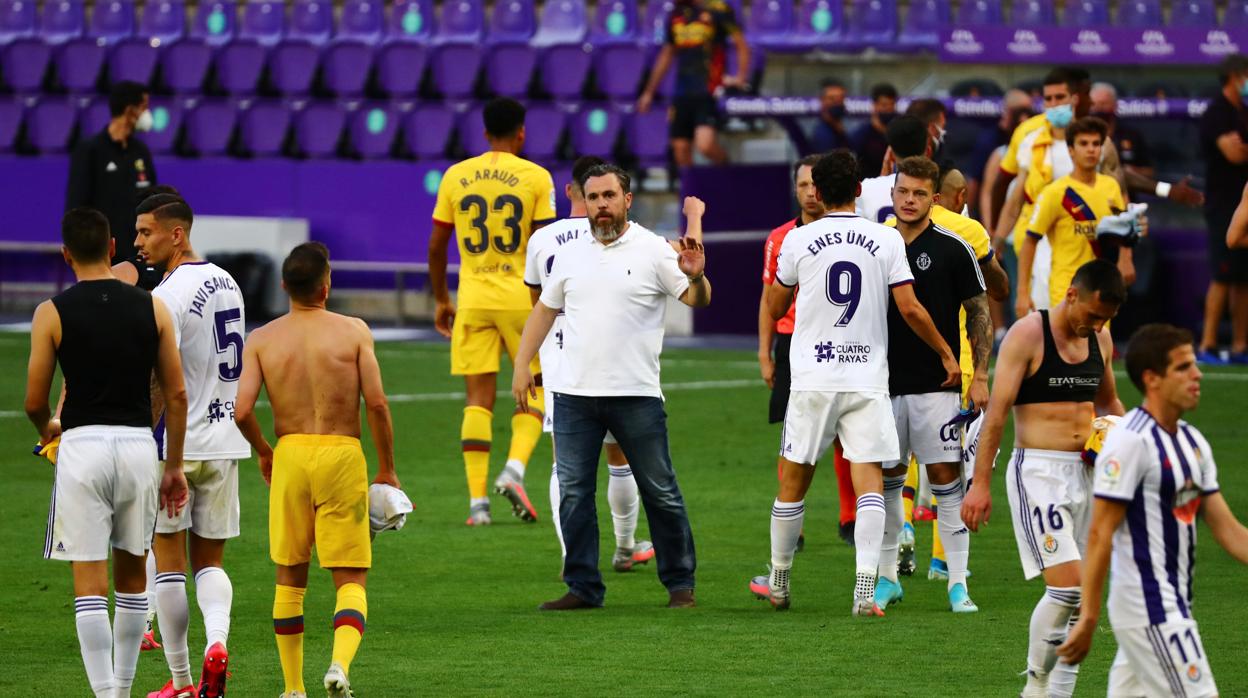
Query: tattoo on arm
pixel 979 330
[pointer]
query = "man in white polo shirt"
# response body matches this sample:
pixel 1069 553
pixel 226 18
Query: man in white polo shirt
pixel 613 292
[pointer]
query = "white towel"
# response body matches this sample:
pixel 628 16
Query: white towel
pixel 1124 225
pixel 388 508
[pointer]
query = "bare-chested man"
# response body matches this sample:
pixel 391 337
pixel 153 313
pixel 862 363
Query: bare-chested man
pixel 315 365
pixel 1055 370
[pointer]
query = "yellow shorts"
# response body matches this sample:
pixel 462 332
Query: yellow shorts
pixel 480 336
pixel 319 494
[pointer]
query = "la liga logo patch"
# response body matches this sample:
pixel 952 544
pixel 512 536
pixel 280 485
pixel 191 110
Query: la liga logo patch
pixel 1112 469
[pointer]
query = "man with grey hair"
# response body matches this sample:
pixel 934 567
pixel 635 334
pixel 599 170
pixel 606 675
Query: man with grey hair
pixel 1132 148
pixel 613 293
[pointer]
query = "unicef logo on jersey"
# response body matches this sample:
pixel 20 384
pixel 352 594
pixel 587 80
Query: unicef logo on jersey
pixel 923 262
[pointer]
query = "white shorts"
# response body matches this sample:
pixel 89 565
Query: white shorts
pixel 921 427
pixel 1161 660
pixel 105 494
pixel 1051 500
pixel 862 421
pixel 212 509
pixel 1041 268
pixel 548 422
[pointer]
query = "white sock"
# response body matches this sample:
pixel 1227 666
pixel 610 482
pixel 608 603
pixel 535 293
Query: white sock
pixel 894 518
pixel 95 641
pixel 129 622
pixel 953 533
pixel 1063 677
pixel 151 592
pixel 516 467
pixel 483 501
pixel 786 526
pixel 215 595
pixel 175 616
pixel 1049 623
pixel 554 509
pixel 625 504
pixel 869 533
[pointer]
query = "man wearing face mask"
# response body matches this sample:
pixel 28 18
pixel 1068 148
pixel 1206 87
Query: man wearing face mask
pixel 830 132
pixel 870 141
pixel 935 117
pixel 113 171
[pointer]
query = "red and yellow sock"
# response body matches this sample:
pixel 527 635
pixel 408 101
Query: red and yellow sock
pixel 475 435
pixel 350 615
pixel 526 430
pixel 288 628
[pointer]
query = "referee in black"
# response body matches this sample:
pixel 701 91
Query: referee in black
pixel 113 171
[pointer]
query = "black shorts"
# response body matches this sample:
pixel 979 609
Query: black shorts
pixel 784 376
pixel 1225 265
pixel 688 113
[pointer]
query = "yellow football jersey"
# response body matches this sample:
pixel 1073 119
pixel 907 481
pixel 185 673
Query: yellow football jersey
pixel 1067 212
pixel 492 201
pixel 1009 162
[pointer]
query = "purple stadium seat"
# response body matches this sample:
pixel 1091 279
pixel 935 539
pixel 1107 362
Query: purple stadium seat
pixel 78 64
pixel 293 62
pixel 564 69
pixel 647 136
pixel 1086 13
pixel 509 68
pixel 1193 13
pixel 455 68
pixel 463 21
pixel 166 124
pixel 318 128
pixel 23 63
pixel 619 69
pixel 264 22
pixel 595 129
pixel 184 65
pixel 50 124
pixel 922 25
pixel 239 64
pixel 1236 14
pixel 17 20
pixel 372 129
pixel 616 22
pixel 113 20
pixel 513 21
pixel 543 129
pixel 1033 13
pixel 11 110
pixel 349 57
pixel 1140 13
pixel 412 20
pixel 262 128
pixel 400 67
pixel 427 129
pixel 311 21
pixel 471 131
pixel 92 117
pixel 563 22
pixel 820 24
pixel 215 22
pixel 62 20
pixel 362 20
pixel 654 27
pixel 210 126
pixel 770 24
pixel 873 23
pixel 163 22
pixel 980 12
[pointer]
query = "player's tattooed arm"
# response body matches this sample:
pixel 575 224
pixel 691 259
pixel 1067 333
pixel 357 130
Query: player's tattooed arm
pixel 995 278
pixel 979 333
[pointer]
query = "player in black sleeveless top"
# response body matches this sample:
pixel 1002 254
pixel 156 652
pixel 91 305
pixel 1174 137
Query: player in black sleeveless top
pixel 1054 371
pixel 108 337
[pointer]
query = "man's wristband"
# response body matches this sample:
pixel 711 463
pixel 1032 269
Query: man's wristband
pixel 1162 190
pixel 696 279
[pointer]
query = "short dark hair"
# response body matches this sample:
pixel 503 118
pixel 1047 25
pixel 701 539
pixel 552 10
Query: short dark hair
pixel 907 136
pixel 883 89
pixel 828 83
pixel 1088 124
pixel 836 177
pixel 603 170
pixel 503 116
pixel 1235 64
pixel 582 165
pixel 165 207
pixel 1080 79
pixel 808 161
pixel 85 233
pixel 926 110
pixel 1149 349
pixel 1100 276
pixel 126 93
pixel 1060 76
pixel 304 270
pixel 921 168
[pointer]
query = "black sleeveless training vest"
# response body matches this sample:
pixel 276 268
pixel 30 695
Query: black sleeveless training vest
pixel 1058 381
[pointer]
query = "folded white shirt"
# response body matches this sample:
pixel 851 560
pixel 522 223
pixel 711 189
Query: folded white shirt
pixel 388 508
pixel 1124 225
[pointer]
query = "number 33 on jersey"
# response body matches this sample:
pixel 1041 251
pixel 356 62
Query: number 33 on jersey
pixel 493 201
pixel 844 267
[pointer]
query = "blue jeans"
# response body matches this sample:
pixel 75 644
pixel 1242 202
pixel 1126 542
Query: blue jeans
pixel 640 425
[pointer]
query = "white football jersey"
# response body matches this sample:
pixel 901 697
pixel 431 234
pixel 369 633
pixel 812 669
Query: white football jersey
pixel 208 320
pixel 844 267
pixel 875 203
pixel 1161 477
pixel 544 244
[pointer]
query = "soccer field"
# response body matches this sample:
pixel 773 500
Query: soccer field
pixel 453 610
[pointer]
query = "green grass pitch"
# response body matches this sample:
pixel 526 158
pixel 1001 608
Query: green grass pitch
pixel 453 610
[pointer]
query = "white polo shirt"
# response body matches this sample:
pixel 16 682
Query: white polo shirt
pixel 614 299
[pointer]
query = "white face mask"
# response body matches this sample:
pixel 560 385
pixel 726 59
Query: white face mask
pixel 940 138
pixel 145 121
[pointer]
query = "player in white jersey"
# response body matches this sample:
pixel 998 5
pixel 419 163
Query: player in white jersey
pixel 1154 475
pixel 208 314
pixel 622 494
pixel 844 268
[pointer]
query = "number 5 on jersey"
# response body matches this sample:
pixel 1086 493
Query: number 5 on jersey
pixel 229 343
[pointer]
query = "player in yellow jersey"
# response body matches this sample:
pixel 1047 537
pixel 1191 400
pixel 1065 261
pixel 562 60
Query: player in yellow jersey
pixel 1068 213
pixel 492 203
